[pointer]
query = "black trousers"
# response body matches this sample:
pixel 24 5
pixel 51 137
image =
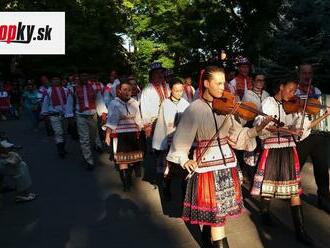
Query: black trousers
pixel 316 146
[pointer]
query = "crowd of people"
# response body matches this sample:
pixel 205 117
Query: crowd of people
pixel 211 145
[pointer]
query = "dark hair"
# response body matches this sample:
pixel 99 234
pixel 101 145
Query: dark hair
pixel 206 74
pixel 174 81
pixel 285 82
pixel 254 75
pixel 124 82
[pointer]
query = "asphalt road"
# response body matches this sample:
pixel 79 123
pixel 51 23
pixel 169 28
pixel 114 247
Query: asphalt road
pixel 81 209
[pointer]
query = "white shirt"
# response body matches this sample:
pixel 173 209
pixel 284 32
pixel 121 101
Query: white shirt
pixel 150 103
pixel 251 96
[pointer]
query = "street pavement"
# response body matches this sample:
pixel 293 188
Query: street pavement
pixel 82 209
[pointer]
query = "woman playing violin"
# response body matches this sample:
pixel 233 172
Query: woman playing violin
pixel 278 174
pixel 213 192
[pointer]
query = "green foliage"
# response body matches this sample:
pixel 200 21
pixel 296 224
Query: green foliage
pixel 275 35
pixel 302 35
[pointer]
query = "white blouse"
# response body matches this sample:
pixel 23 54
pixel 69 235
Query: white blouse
pixel 169 115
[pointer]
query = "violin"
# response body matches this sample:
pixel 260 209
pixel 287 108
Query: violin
pixel 227 104
pixel 295 105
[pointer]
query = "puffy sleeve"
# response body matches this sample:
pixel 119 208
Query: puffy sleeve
pixel 268 108
pixel 183 138
pixel 113 117
pixel 241 138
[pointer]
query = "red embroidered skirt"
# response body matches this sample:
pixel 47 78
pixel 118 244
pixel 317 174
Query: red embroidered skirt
pixel 129 148
pixel 278 174
pixel 213 196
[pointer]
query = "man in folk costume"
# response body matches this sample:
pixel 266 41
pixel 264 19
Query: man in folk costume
pixel 86 112
pixel 242 82
pixel 316 144
pixel 278 174
pixel 57 106
pixel 189 90
pixel 213 191
pixel 170 112
pixel 99 105
pixel 124 122
pixel 153 95
pixel 256 95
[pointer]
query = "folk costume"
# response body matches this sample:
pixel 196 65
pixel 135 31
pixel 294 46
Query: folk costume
pixel 167 122
pixel 126 124
pixel 316 146
pixel 213 192
pixel 152 97
pixel 240 84
pixel 87 110
pixel 251 158
pixel 100 102
pixel 278 174
pixel 168 119
pixel 57 106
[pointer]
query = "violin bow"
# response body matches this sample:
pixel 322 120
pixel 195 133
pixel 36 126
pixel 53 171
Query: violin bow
pixel 206 148
pixel 305 106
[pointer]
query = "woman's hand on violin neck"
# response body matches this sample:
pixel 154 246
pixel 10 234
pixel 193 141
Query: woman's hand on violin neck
pixel 264 123
pixel 190 165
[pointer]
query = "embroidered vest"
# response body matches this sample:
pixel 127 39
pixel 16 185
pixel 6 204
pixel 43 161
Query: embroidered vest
pixel 58 96
pixel 86 97
pixel 242 83
pixel 189 92
pixel 161 90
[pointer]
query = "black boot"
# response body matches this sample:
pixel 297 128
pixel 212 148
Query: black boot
pixel 324 202
pixel 265 212
pixel 167 189
pixel 298 221
pixel 60 150
pixel 206 237
pixel 137 170
pixel 222 243
pixel 124 179
pixel 129 176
